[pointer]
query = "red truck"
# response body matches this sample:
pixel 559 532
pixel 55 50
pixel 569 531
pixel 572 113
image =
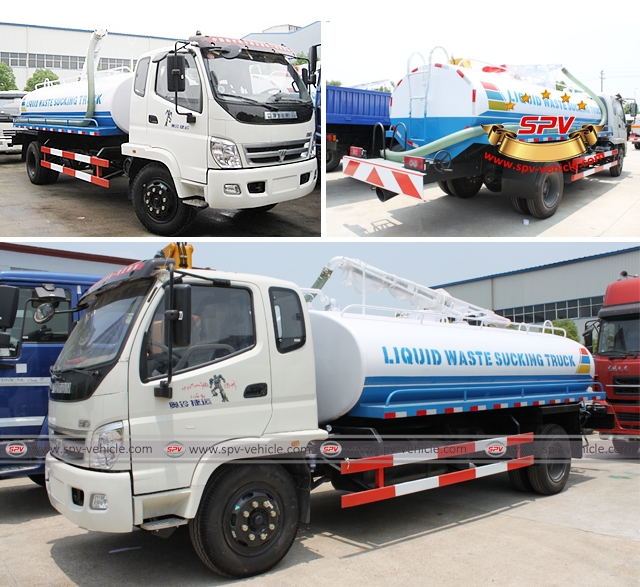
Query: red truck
pixel 617 360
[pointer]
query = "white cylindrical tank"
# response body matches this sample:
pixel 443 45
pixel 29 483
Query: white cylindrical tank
pixel 68 100
pixel 438 100
pixel 362 359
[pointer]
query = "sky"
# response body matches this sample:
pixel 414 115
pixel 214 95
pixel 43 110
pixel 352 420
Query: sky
pixel 369 42
pixel 362 45
pixel 427 263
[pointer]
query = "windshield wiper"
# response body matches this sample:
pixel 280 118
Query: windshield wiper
pixel 286 97
pixel 615 353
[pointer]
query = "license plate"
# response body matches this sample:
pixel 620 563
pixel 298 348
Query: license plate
pixel 64 387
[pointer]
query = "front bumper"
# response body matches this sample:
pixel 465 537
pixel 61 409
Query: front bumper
pixel 70 490
pixel 281 183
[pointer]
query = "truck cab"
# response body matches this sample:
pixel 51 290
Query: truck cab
pixel 617 362
pixel 231 120
pixel 25 360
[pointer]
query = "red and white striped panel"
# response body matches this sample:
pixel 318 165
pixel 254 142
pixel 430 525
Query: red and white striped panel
pixel 76 156
pixel 386 175
pixel 439 452
pixel 380 493
pixel 75 173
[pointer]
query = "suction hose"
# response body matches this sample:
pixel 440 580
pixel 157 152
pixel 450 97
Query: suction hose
pixel 92 53
pixel 598 101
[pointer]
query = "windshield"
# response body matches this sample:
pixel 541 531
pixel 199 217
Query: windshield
pixel 102 331
pixel 254 76
pixel 619 335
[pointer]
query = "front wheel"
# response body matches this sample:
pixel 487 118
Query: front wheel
pixel 550 473
pixel 156 202
pixel 616 170
pixel 247 520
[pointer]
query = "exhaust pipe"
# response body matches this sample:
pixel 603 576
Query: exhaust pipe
pixel 384 195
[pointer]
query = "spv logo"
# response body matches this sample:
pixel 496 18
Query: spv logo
pixel 174 449
pixel 536 125
pixel 16 449
pixel 331 449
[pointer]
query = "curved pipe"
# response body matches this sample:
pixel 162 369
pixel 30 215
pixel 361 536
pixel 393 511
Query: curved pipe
pixel 598 101
pixel 92 53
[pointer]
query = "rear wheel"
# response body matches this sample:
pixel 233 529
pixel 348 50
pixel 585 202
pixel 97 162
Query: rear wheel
pixel 550 473
pixel 247 520
pixel 547 193
pixel 519 205
pixel 445 188
pixel 465 187
pixel 627 448
pixel 38 175
pixel 520 480
pixel 156 202
pixel 332 160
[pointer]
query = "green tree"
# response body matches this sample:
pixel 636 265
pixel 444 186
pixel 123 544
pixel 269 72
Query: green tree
pixel 39 75
pixel 301 59
pixel 569 326
pixel 334 82
pixel 7 79
pixel 561 85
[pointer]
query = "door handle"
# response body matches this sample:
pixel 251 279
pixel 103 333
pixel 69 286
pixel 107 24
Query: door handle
pixel 256 390
pixel 153 119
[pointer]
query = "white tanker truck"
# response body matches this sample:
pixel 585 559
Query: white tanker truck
pixel 465 124
pixel 211 122
pixel 221 400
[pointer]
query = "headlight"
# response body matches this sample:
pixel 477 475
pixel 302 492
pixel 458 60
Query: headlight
pixel 106 446
pixel 225 153
pixel 312 148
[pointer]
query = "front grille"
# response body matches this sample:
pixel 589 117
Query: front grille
pixel 67 448
pixel 626 386
pixel 263 154
pixel 629 416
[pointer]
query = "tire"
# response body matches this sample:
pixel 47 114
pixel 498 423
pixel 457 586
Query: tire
pixel 156 202
pixel 519 205
pixel 38 175
pixel 218 533
pixel 636 145
pixel 627 448
pixel 38 479
pixel 547 193
pixel 465 187
pixel 445 188
pixel 550 473
pixel 332 160
pixel 520 479
pixel 616 170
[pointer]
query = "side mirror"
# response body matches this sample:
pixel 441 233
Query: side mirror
pixel 587 335
pixel 8 305
pixel 305 76
pixel 44 313
pixel 633 109
pixel 181 327
pixel 176 68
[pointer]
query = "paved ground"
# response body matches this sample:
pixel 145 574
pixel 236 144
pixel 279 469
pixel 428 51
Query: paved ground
pixel 597 206
pixel 71 207
pixel 479 533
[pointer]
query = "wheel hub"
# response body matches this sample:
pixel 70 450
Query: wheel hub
pixel 253 521
pixel 157 201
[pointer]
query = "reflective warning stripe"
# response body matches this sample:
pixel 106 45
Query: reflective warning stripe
pixel 77 174
pixel 387 175
pixel 76 156
pixel 593 170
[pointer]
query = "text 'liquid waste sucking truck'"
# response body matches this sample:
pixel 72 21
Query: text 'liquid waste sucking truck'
pixel 617 360
pixel 463 124
pixel 29 351
pixel 220 400
pixel 211 122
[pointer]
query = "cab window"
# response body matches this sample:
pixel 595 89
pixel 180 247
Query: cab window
pixel 222 325
pixel 191 98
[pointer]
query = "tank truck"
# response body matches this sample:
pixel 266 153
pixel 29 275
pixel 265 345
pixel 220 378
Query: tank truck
pixel 220 400
pixel 465 124
pixel 210 122
pixel 617 362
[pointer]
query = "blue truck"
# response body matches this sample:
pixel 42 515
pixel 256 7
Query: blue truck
pixel 352 115
pixel 27 350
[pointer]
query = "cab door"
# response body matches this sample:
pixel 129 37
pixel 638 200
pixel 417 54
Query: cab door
pixel 168 126
pixel 221 386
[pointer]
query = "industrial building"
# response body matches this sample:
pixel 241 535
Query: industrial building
pixel 570 289
pixel 26 48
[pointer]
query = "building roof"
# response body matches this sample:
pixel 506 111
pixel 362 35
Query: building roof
pixel 541 267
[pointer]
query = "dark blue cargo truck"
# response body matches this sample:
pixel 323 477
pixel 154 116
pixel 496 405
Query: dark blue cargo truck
pixel 27 350
pixel 352 115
